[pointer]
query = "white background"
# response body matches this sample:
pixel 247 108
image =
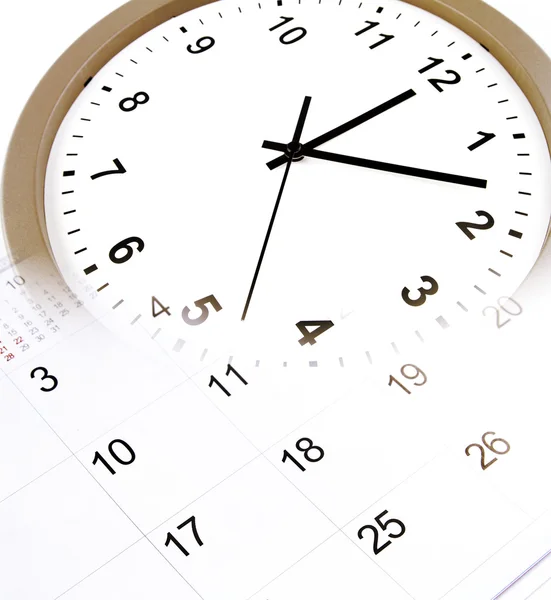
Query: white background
pixel 33 33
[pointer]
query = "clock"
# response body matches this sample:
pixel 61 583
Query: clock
pixel 258 241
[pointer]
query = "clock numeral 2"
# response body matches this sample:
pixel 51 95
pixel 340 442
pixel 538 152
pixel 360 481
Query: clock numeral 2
pixel 466 227
pixel 491 447
pixel 383 526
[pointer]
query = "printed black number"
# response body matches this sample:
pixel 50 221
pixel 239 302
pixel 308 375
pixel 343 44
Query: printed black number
pixel 371 25
pixel 508 305
pixel 311 453
pixel 170 538
pixel 383 525
pixel 130 104
pixel 435 62
pixel 45 376
pixel 203 44
pixel 292 35
pixel 423 292
pixel 124 246
pixel 202 304
pixel 159 308
pixel 416 373
pixel 121 460
pixel 18 280
pixel 311 335
pixel 120 170
pixel 437 83
pixel 466 227
pixel 486 137
pixel 229 370
pixel 492 447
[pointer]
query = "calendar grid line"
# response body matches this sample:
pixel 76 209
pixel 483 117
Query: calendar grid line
pixel 103 488
pixel 538 589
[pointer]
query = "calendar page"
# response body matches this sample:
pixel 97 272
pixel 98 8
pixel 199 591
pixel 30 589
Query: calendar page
pixel 140 463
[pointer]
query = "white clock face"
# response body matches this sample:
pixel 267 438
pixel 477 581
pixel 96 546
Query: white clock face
pixel 428 193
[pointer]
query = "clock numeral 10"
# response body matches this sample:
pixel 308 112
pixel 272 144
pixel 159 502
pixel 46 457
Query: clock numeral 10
pixel 311 453
pixel 115 455
pixel 417 373
pixel 172 539
pixel 229 370
pixel 292 35
pixel 383 526
pixel 492 447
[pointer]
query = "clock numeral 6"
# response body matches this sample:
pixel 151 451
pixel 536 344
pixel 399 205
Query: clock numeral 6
pixel 291 36
pixel 202 304
pixel 131 104
pixel 423 292
pixel 384 526
pixel 492 447
pixel 124 246
pixel 203 44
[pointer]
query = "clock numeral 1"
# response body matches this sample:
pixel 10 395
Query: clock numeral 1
pixel 171 539
pixel 491 447
pixel 311 453
pixel 434 63
pixel 229 370
pixel 417 372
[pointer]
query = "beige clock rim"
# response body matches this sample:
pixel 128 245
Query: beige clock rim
pixel 25 166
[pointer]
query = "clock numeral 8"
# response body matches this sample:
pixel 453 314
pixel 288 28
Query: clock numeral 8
pixel 423 292
pixel 131 104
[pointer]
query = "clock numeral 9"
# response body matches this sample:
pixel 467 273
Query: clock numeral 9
pixel 291 36
pixel 508 309
pixel 202 304
pixel 311 453
pixel 423 292
pixel 203 44
pixel 170 538
pixel 492 447
pixel 417 372
pixel 383 525
pixel 131 104
pixel 99 458
pixel 115 253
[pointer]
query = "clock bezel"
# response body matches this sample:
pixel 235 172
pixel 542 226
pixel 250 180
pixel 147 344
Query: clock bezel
pixel 33 137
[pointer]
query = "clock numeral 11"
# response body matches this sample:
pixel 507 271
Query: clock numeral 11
pixel 229 370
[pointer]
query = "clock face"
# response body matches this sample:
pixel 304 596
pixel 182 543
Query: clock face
pixel 419 186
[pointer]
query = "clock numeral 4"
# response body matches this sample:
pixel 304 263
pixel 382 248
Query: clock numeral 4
pixel 229 371
pixel 310 335
pixel 493 446
pixel 417 372
pixel 311 453
pixel 383 525
pixel 171 539
pixel 292 35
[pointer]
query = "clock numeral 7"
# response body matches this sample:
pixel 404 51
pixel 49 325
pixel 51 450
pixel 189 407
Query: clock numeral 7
pixel 491 447
pixel 417 372
pixel 229 370
pixel 120 170
pixel 371 25
pixel 384 526
pixel 170 538
pixel 292 35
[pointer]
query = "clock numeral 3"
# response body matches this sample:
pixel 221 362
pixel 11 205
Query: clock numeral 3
pixel 383 526
pixel 45 376
pixel 492 447
pixel 423 292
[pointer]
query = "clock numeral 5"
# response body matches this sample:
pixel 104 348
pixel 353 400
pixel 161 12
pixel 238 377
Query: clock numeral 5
pixel 202 304
pixel 291 36
pixel 384 526
pixel 423 292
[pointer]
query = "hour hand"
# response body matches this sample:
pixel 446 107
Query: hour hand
pixel 383 166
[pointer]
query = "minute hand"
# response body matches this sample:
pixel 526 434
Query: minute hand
pixel 384 166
